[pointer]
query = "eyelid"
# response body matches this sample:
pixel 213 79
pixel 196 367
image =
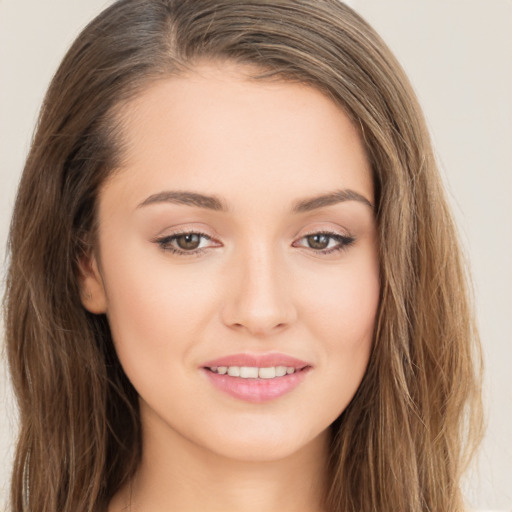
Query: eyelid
pixel 164 242
pixel 343 241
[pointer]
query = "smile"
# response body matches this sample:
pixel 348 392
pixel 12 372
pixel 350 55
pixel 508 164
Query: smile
pixel 253 372
pixel 256 389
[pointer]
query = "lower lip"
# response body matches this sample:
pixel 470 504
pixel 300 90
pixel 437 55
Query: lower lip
pixel 256 390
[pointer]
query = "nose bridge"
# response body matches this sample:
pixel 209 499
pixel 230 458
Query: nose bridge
pixel 260 300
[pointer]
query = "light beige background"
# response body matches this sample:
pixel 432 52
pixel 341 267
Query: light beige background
pixel 458 54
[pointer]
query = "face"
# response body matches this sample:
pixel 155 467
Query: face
pixel 237 262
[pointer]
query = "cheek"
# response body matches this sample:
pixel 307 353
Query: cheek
pixel 343 303
pixel 342 310
pixel 150 304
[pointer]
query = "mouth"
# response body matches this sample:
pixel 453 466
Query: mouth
pixel 256 378
pixel 255 360
pixel 255 372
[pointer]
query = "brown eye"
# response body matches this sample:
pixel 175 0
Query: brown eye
pixel 186 244
pixel 318 241
pixel 325 243
pixel 188 241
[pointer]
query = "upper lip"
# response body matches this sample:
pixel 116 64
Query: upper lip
pixel 257 360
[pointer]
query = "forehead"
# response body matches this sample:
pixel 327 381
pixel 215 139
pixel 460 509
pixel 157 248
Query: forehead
pixel 215 127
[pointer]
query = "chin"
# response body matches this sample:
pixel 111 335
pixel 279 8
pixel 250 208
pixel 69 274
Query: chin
pixel 264 443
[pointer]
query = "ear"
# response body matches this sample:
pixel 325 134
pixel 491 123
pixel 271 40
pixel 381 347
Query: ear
pixel 92 289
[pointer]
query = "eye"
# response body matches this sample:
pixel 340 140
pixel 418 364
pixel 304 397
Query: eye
pixel 186 243
pixel 325 242
pixel 191 243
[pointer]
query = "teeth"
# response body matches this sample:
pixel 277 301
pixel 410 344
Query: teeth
pixel 234 371
pixel 251 372
pixel 281 371
pixel 266 373
pixel 247 372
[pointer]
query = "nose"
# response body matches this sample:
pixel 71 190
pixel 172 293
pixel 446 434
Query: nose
pixel 259 295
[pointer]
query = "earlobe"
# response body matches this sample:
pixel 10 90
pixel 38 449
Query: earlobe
pixel 92 290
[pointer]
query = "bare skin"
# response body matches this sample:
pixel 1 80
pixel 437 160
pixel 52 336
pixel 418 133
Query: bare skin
pixel 260 270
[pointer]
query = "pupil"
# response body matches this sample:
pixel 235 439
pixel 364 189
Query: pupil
pixel 318 241
pixel 189 241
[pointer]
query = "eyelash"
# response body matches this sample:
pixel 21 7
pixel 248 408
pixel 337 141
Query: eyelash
pixel 344 242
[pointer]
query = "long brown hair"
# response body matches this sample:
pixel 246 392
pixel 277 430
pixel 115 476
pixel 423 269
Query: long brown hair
pixel 405 438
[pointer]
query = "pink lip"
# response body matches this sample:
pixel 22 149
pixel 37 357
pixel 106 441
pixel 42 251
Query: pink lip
pixel 257 390
pixel 258 360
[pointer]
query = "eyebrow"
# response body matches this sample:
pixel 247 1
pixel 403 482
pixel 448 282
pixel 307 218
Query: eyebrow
pixel 339 196
pixel 217 204
pixel 186 198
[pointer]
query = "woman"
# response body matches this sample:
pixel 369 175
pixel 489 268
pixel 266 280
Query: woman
pixel 234 279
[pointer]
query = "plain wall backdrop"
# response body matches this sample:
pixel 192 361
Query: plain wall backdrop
pixel 458 54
